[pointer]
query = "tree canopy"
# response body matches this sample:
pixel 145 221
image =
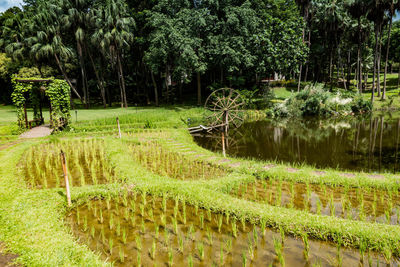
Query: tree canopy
pixel 133 51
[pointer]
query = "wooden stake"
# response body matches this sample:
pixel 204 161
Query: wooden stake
pixel 223 144
pixel 119 128
pixel 64 165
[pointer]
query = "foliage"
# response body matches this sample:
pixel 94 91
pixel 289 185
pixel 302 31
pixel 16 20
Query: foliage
pixel 316 101
pixel 4 62
pixel 58 92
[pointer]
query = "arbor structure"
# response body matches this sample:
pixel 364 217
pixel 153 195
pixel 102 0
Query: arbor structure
pixel 57 92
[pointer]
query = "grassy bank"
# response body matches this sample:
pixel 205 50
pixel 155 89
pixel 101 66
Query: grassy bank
pixel 32 221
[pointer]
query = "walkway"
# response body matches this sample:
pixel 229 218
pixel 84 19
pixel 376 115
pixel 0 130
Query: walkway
pixel 39 131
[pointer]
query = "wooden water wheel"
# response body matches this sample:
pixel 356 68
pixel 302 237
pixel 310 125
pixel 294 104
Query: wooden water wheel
pixel 226 106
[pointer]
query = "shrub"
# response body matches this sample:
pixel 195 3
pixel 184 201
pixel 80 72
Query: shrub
pixel 315 101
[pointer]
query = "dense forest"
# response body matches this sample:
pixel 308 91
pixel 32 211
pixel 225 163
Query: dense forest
pixel 155 52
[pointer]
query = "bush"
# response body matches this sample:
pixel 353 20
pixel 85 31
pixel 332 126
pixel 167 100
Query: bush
pixel 315 101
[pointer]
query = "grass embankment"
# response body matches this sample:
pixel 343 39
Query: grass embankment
pixel 32 221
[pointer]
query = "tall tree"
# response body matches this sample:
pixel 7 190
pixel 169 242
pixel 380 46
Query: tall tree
pixel 114 35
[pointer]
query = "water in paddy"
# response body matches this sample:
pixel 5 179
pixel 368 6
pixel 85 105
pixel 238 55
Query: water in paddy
pixel 155 231
pixel 371 205
pixel 356 143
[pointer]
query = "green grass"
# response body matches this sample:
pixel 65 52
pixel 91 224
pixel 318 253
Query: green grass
pixel 32 221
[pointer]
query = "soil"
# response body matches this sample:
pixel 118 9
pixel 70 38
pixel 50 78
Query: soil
pixel 6 259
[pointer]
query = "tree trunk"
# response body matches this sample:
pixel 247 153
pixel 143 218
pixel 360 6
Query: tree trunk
pixel 398 78
pixel 198 88
pixel 378 86
pixel 100 83
pixel 359 81
pixel 155 88
pixel 66 77
pixel 387 57
pixel 307 63
pixel 340 67
pixel 124 102
pixel 167 82
pixel 299 83
pixel 375 63
pixel 348 68
pixel 83 74
pixel 330 66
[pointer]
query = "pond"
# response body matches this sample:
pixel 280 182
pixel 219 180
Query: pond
pixel 369 144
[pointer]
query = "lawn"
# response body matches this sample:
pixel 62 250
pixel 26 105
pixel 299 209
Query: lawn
pixel 155 197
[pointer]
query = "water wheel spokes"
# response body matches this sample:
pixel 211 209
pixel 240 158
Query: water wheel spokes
pixel 226 105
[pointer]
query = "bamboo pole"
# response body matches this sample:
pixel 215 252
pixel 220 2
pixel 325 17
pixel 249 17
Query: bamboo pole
pixel 119 128
pixel 64 165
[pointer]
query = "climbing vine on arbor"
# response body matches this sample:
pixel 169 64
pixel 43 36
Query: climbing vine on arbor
pixel 57 91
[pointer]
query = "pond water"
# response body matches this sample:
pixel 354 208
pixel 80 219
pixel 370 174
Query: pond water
pixel 369 144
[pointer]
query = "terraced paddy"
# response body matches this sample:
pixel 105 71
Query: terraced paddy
pixel 141 230
pixel 351 203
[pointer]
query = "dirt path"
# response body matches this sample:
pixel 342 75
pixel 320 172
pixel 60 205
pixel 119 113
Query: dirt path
pixel 5 258
pixel 39 131
pixel 7 145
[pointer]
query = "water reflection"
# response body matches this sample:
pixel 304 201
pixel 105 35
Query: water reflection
pixel 362 143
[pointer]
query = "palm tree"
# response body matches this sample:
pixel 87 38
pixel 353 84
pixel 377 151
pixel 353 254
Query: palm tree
pixel 45 41
pixel 376 14
pixel 358 10
pixel 393 5
pixel 76 17
pixel 113 35
pixel 304 11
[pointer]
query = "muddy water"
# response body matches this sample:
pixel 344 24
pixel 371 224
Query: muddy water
pixel 350 203
pixel 174 165
pixel 201 237
pixel 87 164
pixel 357 143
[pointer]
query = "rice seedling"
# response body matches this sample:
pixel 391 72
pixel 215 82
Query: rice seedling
pixel 138 260
pixel 209 236
pixel 86 163
pixel 111 221
pixel 180 241
pixel 201 220
pixel 190 260
pixel 387 254
pixel 170 258
pixel 121 255
pixel 124 236
pixel 138 243
pixel 244 259
pixel 159 160
pixel 153 249
pixel 118 228
pixel 282 233
pixel 306 252
pixel 110 245
pixel 234 228
pixel 339 200
pixel 279 251
pixel 200 250
pixel 221 256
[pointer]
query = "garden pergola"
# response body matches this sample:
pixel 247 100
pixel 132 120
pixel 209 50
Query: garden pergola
pixel 40 119
pixel 34 89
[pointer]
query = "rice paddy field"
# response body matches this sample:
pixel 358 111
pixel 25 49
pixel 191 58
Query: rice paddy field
pixel 155 198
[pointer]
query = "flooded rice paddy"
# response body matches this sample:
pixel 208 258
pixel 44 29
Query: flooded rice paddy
pixel 369 204
pixel 87 164
pixel 141 230
pixel 174 165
